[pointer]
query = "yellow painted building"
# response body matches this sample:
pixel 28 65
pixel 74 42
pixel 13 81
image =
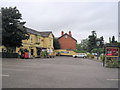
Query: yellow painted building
pixel 37 42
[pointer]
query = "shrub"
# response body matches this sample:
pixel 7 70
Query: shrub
pixel 9 55
pixel 112 63
pixel 43 54
pixel 91 56
pixel 95 50
pixel 79 51
pixel 101 57
pixel 88 55
pixel 58 54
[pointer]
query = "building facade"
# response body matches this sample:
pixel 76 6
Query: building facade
pixel 37 42
pixel 67 41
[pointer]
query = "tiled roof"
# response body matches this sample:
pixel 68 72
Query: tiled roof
pixel 43 34
pixel 68 35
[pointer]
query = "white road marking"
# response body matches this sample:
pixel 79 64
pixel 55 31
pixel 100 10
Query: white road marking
pixel 4 75
pixel 113 79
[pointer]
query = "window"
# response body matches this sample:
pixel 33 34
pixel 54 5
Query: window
pixel 31 39
pixel 65 36
pixel 38 40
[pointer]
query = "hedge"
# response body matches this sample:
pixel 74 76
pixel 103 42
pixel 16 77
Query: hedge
pixel 9 55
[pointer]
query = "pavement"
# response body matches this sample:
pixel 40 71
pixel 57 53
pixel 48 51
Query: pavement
pixel 58 72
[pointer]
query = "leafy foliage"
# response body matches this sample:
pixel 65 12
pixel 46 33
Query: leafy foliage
pixel 92 41
pixel 79 51
pixel 78 46
pixel 14 30
pixel 90 56
pixel 112 63
pixel 95 50
pixel 84 44
pixel 44 54
pixel 56 43
pixel 113 41
pixel 101 57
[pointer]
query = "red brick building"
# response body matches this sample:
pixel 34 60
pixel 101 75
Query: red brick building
pixel 67 41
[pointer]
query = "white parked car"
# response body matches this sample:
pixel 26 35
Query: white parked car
pixel 95 54
pixel 82 55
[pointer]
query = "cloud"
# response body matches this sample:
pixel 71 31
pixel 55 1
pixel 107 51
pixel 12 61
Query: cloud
pixel 79 17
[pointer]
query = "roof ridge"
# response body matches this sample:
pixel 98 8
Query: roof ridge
pixel 68 35
pixel 42 33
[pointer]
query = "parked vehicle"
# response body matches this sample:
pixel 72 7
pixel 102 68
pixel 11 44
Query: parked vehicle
pixel 81 55
pixel 95 54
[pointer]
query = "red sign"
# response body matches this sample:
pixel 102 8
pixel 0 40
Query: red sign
pixel 112 52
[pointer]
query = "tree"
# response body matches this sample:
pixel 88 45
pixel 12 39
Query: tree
pixel 110 40
pixel 92 41
pixel 113 39
pixel 56 43
pixel 78 46
pixel 84 44
pixel 13 30
pixel 95 50
pixel 101 42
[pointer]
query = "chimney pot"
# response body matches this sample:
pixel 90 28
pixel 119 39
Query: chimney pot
pixel 70 33
pixel 62 33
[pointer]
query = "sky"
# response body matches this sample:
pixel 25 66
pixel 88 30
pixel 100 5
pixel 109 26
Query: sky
pixel 78 17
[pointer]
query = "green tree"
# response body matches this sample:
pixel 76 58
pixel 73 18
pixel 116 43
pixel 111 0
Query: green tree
pixel 13 30
pixel 113 39
pixel 56 43
pixel 84 44
pixel 110 40
pixel 78 46
pixel 101 42
pixel 92 41
pixel 95 50
pixel 114 42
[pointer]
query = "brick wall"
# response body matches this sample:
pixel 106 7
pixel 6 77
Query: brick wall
pixel 67 43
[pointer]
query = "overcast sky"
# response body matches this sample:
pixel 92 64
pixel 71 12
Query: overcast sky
pixel 78 17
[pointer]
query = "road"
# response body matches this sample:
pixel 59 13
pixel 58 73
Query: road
pixel 58 72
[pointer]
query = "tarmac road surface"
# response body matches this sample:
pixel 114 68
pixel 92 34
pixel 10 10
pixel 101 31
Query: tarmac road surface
pixel 58 72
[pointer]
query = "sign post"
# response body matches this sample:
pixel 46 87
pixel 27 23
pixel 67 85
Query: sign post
pixel 111 52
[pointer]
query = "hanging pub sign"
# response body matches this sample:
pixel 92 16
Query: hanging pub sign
pixel 112 52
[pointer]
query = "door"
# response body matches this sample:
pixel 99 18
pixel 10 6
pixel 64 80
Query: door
pixel 31 51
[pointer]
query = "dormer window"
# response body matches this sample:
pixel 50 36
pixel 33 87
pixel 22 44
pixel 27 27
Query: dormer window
pixel 65 36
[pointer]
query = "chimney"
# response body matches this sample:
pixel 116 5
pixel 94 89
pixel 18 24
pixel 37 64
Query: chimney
pixel 62 33
pixel 70 33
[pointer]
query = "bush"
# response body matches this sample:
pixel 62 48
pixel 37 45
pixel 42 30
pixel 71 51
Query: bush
pixel 88 55
pixel 112 63
pixel 101 57
pixel 58 54
pixel 43 54
pixel 9 55
pixel 91 56
pixel 95 50
pixel 79 51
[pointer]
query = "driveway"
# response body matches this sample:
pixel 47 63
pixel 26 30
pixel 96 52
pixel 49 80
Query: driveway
pixel 58 72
